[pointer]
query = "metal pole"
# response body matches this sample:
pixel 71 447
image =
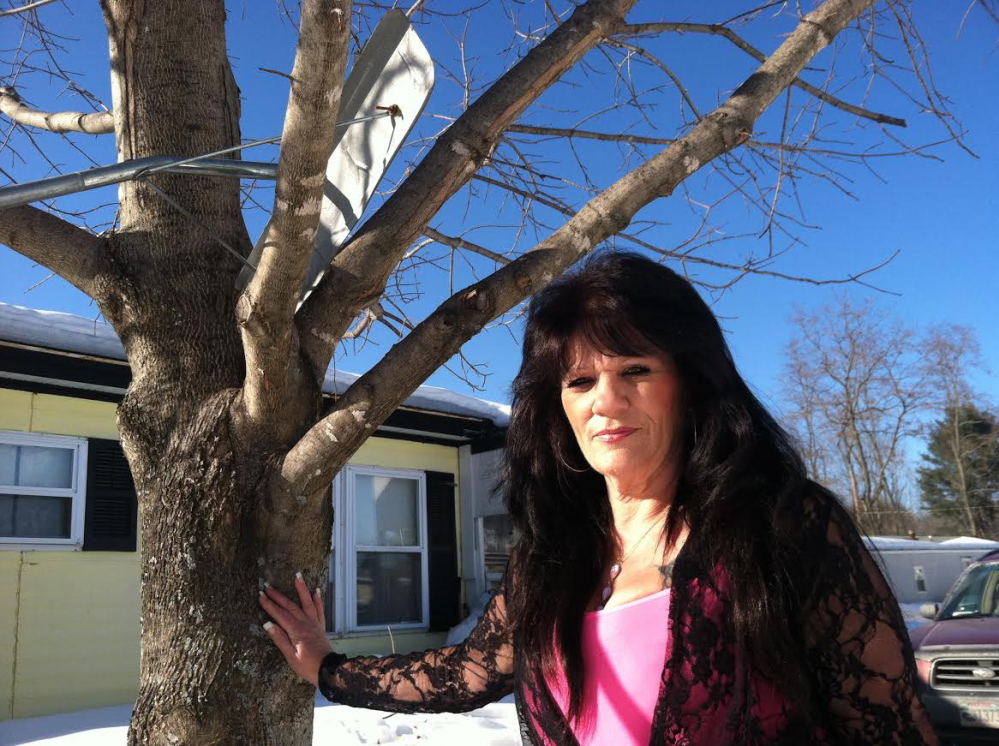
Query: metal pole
pixel 199 165
pixel 80 181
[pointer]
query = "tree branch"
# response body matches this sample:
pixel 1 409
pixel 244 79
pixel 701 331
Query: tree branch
pixel 360 271
pixel 368 402
pixel 100 123
pixel 460 243
pixel 638 29
pixel 652 59
pixel 23 8
pixel 983 4
pixel 73 253
pixel 529 129
pixel 266 309
pixel 570 132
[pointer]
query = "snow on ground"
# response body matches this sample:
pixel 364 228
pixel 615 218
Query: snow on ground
pixel 492 725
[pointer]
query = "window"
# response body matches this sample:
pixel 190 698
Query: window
pixel 42 488
pixel 919 575
pixel 973 594
pixel 380 538
pixel 497 541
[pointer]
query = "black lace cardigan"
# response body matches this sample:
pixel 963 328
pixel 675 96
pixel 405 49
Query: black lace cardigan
pixel 854 643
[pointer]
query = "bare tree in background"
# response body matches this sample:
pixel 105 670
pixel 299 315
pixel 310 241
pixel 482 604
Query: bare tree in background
pixel 961 467
pixel 856 382
pixel 222 424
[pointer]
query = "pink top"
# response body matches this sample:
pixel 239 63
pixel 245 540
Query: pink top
pixel 621 679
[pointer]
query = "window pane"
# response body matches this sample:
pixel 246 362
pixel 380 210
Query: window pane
pixel 389 588
pixel 30 517
pixel 36 466
pixel 387 511
pixel 8 463
pixel 499 540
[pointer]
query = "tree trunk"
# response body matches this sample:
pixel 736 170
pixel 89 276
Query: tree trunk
pixel 209 531
pixel 207 671
pixel 962 479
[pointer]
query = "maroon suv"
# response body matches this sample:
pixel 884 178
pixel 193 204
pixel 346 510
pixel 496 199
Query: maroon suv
pixel 957 656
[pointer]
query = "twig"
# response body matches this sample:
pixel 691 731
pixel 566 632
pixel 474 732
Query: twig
pixel 277 72
pixel 23 8
pixel 460 243
pixel 639 29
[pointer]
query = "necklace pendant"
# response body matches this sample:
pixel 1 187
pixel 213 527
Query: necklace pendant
pixel 605 594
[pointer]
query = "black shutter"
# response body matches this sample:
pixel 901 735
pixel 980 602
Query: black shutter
pixel 445 585
pixel 112 508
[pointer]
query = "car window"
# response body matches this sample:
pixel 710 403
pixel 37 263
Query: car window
pixel 974 594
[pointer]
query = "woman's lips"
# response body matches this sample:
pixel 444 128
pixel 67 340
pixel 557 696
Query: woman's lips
pixel 614 435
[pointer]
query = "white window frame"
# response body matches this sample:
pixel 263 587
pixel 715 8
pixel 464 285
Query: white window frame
pixel 343 559
pixel 78 491
pixel 490 581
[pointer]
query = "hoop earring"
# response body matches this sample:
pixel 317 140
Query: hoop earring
pixel 562 461
pixel 693 426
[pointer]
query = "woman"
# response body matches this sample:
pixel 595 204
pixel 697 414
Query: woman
pixel 678 578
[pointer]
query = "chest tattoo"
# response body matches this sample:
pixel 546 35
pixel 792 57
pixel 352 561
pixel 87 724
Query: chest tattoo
pixel 666 571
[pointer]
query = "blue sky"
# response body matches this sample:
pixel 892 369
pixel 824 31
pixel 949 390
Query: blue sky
pixel 940 215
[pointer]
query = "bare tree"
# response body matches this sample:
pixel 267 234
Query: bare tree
pixel 855 380
pixel 961 467
pixel 802 390
pixel 222 424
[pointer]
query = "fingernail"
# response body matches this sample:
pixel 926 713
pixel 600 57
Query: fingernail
pixel 262 594
pixel 267 626
pixel 318 593
pixel 299 576
pixel 266 584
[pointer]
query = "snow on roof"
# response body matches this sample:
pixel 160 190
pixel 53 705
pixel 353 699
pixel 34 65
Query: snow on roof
pixel 972 541
pixel 893 542
pixel 883 543
pixel 434 398
pixel 70 333
pixel 59 331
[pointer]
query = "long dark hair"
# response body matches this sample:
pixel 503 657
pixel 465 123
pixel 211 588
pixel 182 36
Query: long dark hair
pixel 739 470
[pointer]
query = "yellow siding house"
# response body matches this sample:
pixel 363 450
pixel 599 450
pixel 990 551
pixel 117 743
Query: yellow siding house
pixel 412 511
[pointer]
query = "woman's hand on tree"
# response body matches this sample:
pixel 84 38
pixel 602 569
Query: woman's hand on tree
pixel 299 631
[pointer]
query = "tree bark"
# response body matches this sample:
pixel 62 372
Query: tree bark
pixel 276 370
pixel 208 675
pixel 75 254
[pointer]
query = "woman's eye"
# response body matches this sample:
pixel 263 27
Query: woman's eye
pixel 636 370
pixel 575 383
